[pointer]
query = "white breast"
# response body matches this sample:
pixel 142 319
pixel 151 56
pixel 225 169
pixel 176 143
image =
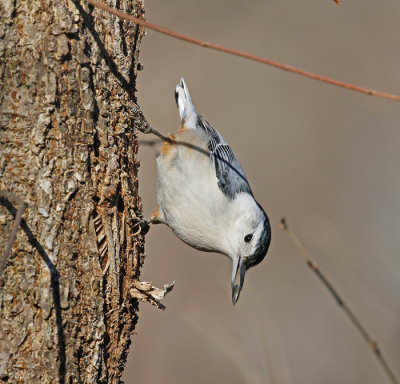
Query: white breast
pixel 190 201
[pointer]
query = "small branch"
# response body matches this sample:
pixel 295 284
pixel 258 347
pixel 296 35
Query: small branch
pixel 249 56
pixel 353 318
pixel 142 124
pixel 150 143
pixel 22 205
pixel 147 292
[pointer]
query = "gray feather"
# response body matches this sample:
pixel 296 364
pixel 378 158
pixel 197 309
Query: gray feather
pixel 231 178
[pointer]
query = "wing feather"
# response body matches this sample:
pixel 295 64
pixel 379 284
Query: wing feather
pixel 231 178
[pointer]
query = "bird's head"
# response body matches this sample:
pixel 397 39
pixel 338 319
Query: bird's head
pixel 250 237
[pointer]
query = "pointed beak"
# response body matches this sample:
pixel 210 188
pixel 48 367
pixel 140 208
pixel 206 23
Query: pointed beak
pixel 238 273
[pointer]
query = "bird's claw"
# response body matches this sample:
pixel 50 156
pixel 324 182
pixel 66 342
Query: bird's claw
pixel 141 223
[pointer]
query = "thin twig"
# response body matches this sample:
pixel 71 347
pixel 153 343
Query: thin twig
pixel 150 143
pixel 142 124
pixel 249 56
pixel 21 208
pixel 356 322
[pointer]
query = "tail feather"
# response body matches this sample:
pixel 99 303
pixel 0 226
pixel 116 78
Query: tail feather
pixel 187 112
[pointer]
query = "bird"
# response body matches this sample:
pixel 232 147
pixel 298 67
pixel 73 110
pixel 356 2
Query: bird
pixel 203 194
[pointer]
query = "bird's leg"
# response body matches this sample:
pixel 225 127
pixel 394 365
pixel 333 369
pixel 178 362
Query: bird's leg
pixel 156 216
pixel 144 224
pixel 141 223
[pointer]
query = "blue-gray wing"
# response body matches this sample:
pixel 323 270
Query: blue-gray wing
pixel 231 178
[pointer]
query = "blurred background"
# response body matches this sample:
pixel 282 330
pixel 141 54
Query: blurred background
pixel 325 158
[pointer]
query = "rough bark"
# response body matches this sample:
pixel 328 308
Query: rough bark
pixel 69 292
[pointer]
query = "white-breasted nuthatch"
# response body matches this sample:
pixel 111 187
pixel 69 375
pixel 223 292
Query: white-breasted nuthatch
pixel 204 196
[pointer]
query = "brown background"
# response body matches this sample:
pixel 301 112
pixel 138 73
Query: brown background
pixel 325 158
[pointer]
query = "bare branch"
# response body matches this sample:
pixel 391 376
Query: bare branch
pixel 246 55
pixel 353 318
pixel 21 208
pixel 147 292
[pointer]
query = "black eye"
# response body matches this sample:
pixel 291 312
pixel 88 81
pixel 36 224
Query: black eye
pixel 248 238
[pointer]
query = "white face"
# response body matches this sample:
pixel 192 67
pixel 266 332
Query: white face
pixel 249 233
pixel 247 226
pixel 250 236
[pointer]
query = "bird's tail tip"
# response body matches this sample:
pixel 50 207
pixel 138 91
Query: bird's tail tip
pixel 184 101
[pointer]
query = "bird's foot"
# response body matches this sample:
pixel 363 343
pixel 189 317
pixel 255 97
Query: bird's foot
pixel 140 223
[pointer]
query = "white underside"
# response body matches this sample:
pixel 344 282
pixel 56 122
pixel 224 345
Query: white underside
pixel 190 202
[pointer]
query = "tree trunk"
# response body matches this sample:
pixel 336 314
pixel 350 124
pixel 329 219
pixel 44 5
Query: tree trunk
pixel 69 292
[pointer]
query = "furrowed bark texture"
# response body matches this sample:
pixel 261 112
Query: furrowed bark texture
pixel 68 148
